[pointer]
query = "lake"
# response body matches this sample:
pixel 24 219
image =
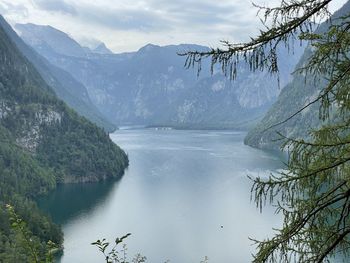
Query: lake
pixel 185 196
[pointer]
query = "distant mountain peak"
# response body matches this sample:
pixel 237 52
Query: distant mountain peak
pixel 148 47
pixel 102 49
pixel 45 35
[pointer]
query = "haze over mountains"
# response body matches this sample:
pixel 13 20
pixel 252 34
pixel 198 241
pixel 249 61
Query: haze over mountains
pixel 152 87
pixel 59 100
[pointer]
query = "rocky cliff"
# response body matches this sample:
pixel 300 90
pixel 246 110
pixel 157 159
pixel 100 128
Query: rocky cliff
pixel 152 87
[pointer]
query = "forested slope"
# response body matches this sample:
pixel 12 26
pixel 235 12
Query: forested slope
pixel 42 143
pixel 65 86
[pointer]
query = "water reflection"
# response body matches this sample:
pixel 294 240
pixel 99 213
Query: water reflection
pixel 73 200
pixel 185 195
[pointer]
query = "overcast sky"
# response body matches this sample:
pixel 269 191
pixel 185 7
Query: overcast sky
pixel 127 25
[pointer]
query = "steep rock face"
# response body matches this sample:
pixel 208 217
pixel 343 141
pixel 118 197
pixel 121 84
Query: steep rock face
pixel 65 86
pixel 298 93
pixel 30 138
pixel 44 126
pixel 151 87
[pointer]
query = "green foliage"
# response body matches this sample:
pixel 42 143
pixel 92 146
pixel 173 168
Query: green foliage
pixel 292 98
pixel 62 141
pixel 42 142
pixel 115 255
pixel 64 85
pixel 281 24
pixel 80 151
pixel 28 242
pixel 313 194
pixel 22 178
pixel 315 190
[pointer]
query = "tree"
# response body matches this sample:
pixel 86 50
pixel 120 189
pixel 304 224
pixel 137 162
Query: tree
pixel 27 245
pixel 313 194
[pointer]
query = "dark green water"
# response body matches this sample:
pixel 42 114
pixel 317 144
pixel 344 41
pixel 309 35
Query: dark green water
pixel 180 188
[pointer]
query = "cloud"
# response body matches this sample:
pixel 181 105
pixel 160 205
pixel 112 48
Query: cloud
pixel 89 42
pixel 55 6
pixel 7 7
pixel 167 15
pixel 197 12
pixel 126 25
pixel 124 18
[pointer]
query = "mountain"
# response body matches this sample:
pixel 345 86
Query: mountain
pixel 293 97
pixel 102 49
pixel 300 91
pixel 66 87
pixel 42 143
pixel 152 87
pixel 47 37
pixel 30 105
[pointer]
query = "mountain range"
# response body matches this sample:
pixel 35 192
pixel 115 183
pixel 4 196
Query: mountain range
pixel 65 86
pixel 152 87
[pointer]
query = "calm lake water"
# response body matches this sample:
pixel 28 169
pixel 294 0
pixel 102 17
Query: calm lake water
pixel 186 195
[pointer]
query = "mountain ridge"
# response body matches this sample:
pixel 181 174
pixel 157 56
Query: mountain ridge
pixel 66 87
pixel 151 87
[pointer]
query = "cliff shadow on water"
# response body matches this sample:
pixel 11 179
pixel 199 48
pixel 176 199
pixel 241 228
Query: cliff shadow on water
pixel 82 198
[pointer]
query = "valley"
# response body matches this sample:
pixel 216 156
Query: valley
pixel 180 152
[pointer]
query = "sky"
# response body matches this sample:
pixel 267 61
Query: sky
pixel 127 25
